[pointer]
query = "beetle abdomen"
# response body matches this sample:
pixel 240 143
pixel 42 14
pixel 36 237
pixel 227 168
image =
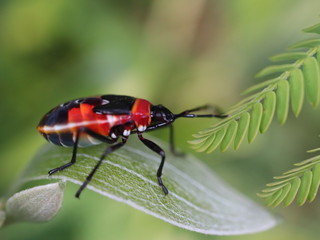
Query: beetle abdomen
pixel 60 125
pixel 108 115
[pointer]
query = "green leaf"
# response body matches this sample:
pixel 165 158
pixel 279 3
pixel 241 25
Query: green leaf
pixel 283 195
pixel 282 101
pixel 312 80
pixel 204 146
pixel 275 69
pixel 242 129
pixel 198 200
pixel 288 56
pixel 296 90
pixel 272 199
pixel 310 43
pixel 256 115
pixel 313 29
pixel 198 141
pixel 313 150
pixel 295 185
pixel 244 103
pixel 37 204
pixel 269 104
pixel 315 183
pixel 229 136
pixel 305 188
pixel 219 136
pixel 260 85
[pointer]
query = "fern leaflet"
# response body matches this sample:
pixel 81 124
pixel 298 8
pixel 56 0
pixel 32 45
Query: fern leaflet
pixel 301 183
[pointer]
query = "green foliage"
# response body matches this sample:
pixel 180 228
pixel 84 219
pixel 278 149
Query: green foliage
pixel 297 78
pixel 301 183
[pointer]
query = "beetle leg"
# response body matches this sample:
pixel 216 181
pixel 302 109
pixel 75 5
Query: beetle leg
pixel 171 142
pixel 154 147
pixel 108 150
pixel 73 158
pixel 75 147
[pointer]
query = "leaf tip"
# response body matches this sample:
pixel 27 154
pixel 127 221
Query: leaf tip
pixel 313 29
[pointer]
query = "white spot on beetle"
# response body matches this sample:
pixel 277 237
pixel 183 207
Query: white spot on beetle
pixel 113 135
pixel 142 128
pixel 126 133
pixel 104 101
pixel 112 119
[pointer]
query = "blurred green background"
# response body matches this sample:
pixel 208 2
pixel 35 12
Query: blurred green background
pixel 181 53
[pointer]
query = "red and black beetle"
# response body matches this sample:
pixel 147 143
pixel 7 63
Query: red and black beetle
pixel 93 120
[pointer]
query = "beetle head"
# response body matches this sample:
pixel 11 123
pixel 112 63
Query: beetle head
pixel 160 114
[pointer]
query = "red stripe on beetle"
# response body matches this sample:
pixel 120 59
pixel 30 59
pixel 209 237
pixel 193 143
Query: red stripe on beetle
pixel 89 116
pixel 141 112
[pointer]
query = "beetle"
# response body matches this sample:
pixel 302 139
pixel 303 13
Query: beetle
pixel 109 119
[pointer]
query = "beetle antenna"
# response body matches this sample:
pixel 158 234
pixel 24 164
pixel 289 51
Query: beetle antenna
pixel 189 114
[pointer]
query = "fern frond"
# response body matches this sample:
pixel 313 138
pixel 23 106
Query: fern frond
pixel 273 97
pixel 301 183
